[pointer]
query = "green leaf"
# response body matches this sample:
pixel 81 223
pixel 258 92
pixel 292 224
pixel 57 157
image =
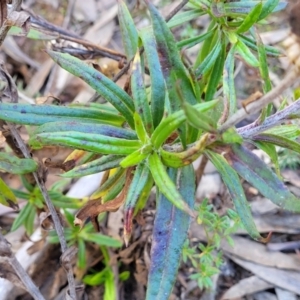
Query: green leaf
pixel 133 159
pixel 228 82
pixel 197 119
pixel 268 7
pixel 258 174
pixel 172 122
pixel 209 60
pixel 22 216
pixel 165 185
pixel 62 201
pixel 40 114
pixel 263 64
pixel 103 163
pixel 96 279
pixel 14 165
pixel 140 179
pixel 289 131
pixel 128 31
pixel 278 141
pixel 172 67
pixel 98 81
pixel 191 42
pixel 184 17
pixel 271 151
pixel 216 74
pixel 251 18
pixel 169 234
pixel 35 34
pixel 7 197
pixel 101 239
pixel 139 94
pixel 270 51
pixel 232 182
pixel 97 143
pixel 156 75
pixel 246 54
pixel 81 255
pixel 240 8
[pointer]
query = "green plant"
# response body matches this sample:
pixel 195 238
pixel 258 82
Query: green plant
pixel 151 135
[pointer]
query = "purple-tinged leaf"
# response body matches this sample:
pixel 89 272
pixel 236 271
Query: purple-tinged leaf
pixel 98 81
pixel 232 182
pixel 258 174
pixel 103 163
pixel 157 79
pixel 40 114
pixel 278 141
pixel 172 67
pixel 169 234
pixel 139 95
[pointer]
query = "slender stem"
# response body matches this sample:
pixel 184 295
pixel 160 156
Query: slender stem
pixel 176 10
pixel 254 107
pixel 30 286
pixel 57 224
pixel 5 28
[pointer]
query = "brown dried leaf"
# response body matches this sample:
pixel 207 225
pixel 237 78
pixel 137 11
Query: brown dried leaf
pixel 94 207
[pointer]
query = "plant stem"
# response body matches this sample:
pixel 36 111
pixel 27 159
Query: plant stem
pixel 57 224
pixel 30 286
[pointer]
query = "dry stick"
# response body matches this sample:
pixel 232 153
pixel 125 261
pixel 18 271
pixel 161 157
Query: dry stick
pixel 5 28
pixel 57 224
pixel 176 10
pixel 30 286
pixel 254 107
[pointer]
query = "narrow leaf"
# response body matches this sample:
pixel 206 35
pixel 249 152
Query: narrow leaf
pixel 128 31
pixel 228 82
pixel 191 42
pixel 98 81
pixel 232 182
pixel 40 114
pixel 139 94
pixel 14 165
pixel 101 164
pixel 251 18
pixel 97 143
pixel 140 179
pixel 165 185
pixel 246 54
pixel 156 75
pixel 258 174
pixel 7 197
pixel 169 234
pixel 278 141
